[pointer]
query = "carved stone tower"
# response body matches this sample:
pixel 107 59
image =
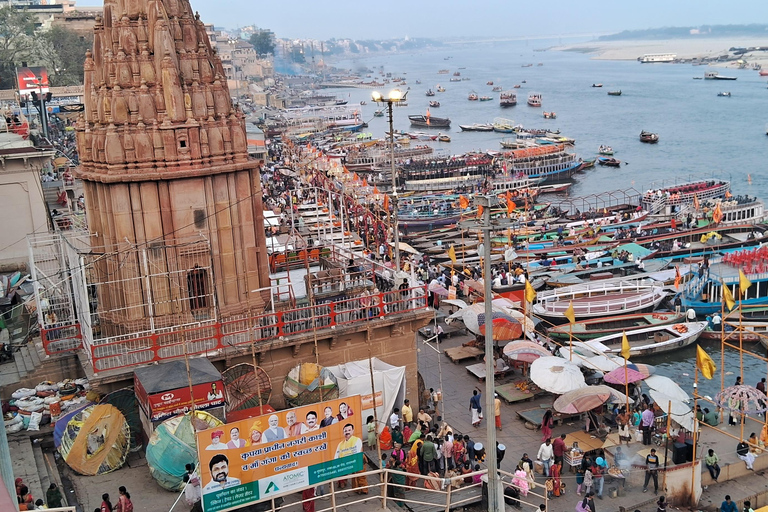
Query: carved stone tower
pixel 164 162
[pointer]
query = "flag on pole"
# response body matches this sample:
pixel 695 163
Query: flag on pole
pixel 696 202
pixel 728 296
pixel 677 277
pixel 624 346
pixel 570 314
pixel 452 254
pixel 717 215
pixel 479 211
pixel 704 363
pixel 463 202
pixel 386 203
pixel 510 203
pixel 530 293
pixel 744 283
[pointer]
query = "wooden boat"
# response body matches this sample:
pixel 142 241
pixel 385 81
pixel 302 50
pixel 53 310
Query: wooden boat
pixel 550 115
pixel 434 104
pixel 517 86
pixel 622 270
pixel 502 125
pixel 507 99
pixel 476 127
pixel 587 163
pixel 596 299
pixel 379 113
pixel 440 88
pixel 597 85
pixel 598 327
pixel 649 137
pixel 651 340
pixel 486 98
pixel 472 96
pixel 605 150
pixel 614 93
pixel 609 161
pixel 534 99
pixel 746 331
pixel 714 75
pixel 725 94
pixel 429 121
pixel 443 138
pixel 490 82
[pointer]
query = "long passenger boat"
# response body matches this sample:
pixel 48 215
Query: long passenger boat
pixel 666 200
pixel 552 163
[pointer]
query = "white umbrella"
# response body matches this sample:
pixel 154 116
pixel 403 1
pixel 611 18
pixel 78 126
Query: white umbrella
pixel 668 404
pixel 685 420
pixel 455 302
pixel 668 387
pixel 556 375
pixel 603 362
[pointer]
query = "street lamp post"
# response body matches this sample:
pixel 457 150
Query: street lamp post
pixel 488 225
pixel 395 96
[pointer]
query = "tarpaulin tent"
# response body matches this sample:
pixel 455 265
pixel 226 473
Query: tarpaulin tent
pixel 172 446
pixel 354 378
pixel 61 423
pixel 126 402
pixel 309 383
pixel 96 440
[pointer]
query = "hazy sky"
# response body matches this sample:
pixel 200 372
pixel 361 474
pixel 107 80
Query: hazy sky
pixel 324 19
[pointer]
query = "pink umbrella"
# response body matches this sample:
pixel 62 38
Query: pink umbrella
pixel 525 351
pixel 622 376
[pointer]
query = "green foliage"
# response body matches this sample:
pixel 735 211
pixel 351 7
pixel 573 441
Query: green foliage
pixel 16 43
pixel 263 42
pixel 62 51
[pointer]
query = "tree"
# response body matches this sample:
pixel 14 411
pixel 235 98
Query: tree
pixel 62 51
pixel 16 42
pixel 263 42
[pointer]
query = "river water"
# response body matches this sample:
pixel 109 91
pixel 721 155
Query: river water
pixel 701 135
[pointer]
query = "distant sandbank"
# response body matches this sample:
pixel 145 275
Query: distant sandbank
pixel 683 48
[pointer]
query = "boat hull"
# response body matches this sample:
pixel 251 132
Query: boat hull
pixel 595 301
pixel 655 345
pixel 597 328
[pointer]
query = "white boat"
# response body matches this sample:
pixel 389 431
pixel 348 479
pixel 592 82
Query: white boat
pixel 649 58
pixel 596 299
pixel 651 340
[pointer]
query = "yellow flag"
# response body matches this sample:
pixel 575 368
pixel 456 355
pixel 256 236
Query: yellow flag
pixel 704 363
pixel 728 297
pixel 569 313
pixel 530 293
pixel 744 283
pixel 452 254
pixel 624 346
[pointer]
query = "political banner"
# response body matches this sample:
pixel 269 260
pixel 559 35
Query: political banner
pixel 274 454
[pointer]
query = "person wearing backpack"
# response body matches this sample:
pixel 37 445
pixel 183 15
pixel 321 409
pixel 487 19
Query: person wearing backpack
pixel 124 503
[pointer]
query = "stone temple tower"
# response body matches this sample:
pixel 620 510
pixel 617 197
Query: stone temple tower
pixel 169 187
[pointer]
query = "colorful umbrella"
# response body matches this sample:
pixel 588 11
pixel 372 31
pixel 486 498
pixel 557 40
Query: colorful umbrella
pixel 525 351
pixel 646 369
pixel 556 375
pixel 585 399
pixel 438 289
pixel 504 329
pixel 623 376
pixel 668 387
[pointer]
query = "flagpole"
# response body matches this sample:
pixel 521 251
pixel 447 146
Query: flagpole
pixel 570 341
pixel 722 334
pixel 695 431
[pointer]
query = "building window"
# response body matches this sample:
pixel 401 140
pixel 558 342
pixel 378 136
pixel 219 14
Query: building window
pixel 197 288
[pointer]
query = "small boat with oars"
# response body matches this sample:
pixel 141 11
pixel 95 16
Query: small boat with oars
pixel 605 150
pixel 597 85
pixel 614 93
pixel 608 161
pixel 472 96
pixel 430 92
pixel 649 137
pixel 597 327
pixel 434 104
pixel 550 115
pixel 724 94
pixel 651 340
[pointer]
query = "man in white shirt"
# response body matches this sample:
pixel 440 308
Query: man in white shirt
pixel 311 424
pixel 394 419
pixel 234 439
pixel 546 455
pixel 220 479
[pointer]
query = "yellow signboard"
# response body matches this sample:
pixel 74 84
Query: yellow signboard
pixel 274 454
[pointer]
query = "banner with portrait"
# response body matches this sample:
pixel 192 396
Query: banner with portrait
pixel 274 454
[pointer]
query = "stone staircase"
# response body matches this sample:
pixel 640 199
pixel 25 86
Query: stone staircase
pixel 34 460
pixel 31 366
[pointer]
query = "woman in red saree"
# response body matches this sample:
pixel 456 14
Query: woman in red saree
pixel 412 464
pixel 554 472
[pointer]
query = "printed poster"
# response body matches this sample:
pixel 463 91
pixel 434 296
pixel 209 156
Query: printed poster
pixel 278 453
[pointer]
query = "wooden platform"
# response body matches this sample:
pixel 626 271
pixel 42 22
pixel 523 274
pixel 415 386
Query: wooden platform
pixel 458 354
pixel 478 370
pixel 511 394
pixel 535 415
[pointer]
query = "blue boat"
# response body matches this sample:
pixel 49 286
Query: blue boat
pixel 705 294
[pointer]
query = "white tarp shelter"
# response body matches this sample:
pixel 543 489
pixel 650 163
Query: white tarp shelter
pixel 389 382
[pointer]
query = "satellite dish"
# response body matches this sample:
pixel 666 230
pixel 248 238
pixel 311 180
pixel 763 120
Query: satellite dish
pixel 242 385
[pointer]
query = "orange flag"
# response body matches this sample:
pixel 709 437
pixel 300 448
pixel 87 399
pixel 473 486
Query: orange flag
pixel 677 277
pixel 479 211
pixel 365 182
pixel 510 202
pixel 386 203
pixel 717 215
pixel 696 201
pixel 463 202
